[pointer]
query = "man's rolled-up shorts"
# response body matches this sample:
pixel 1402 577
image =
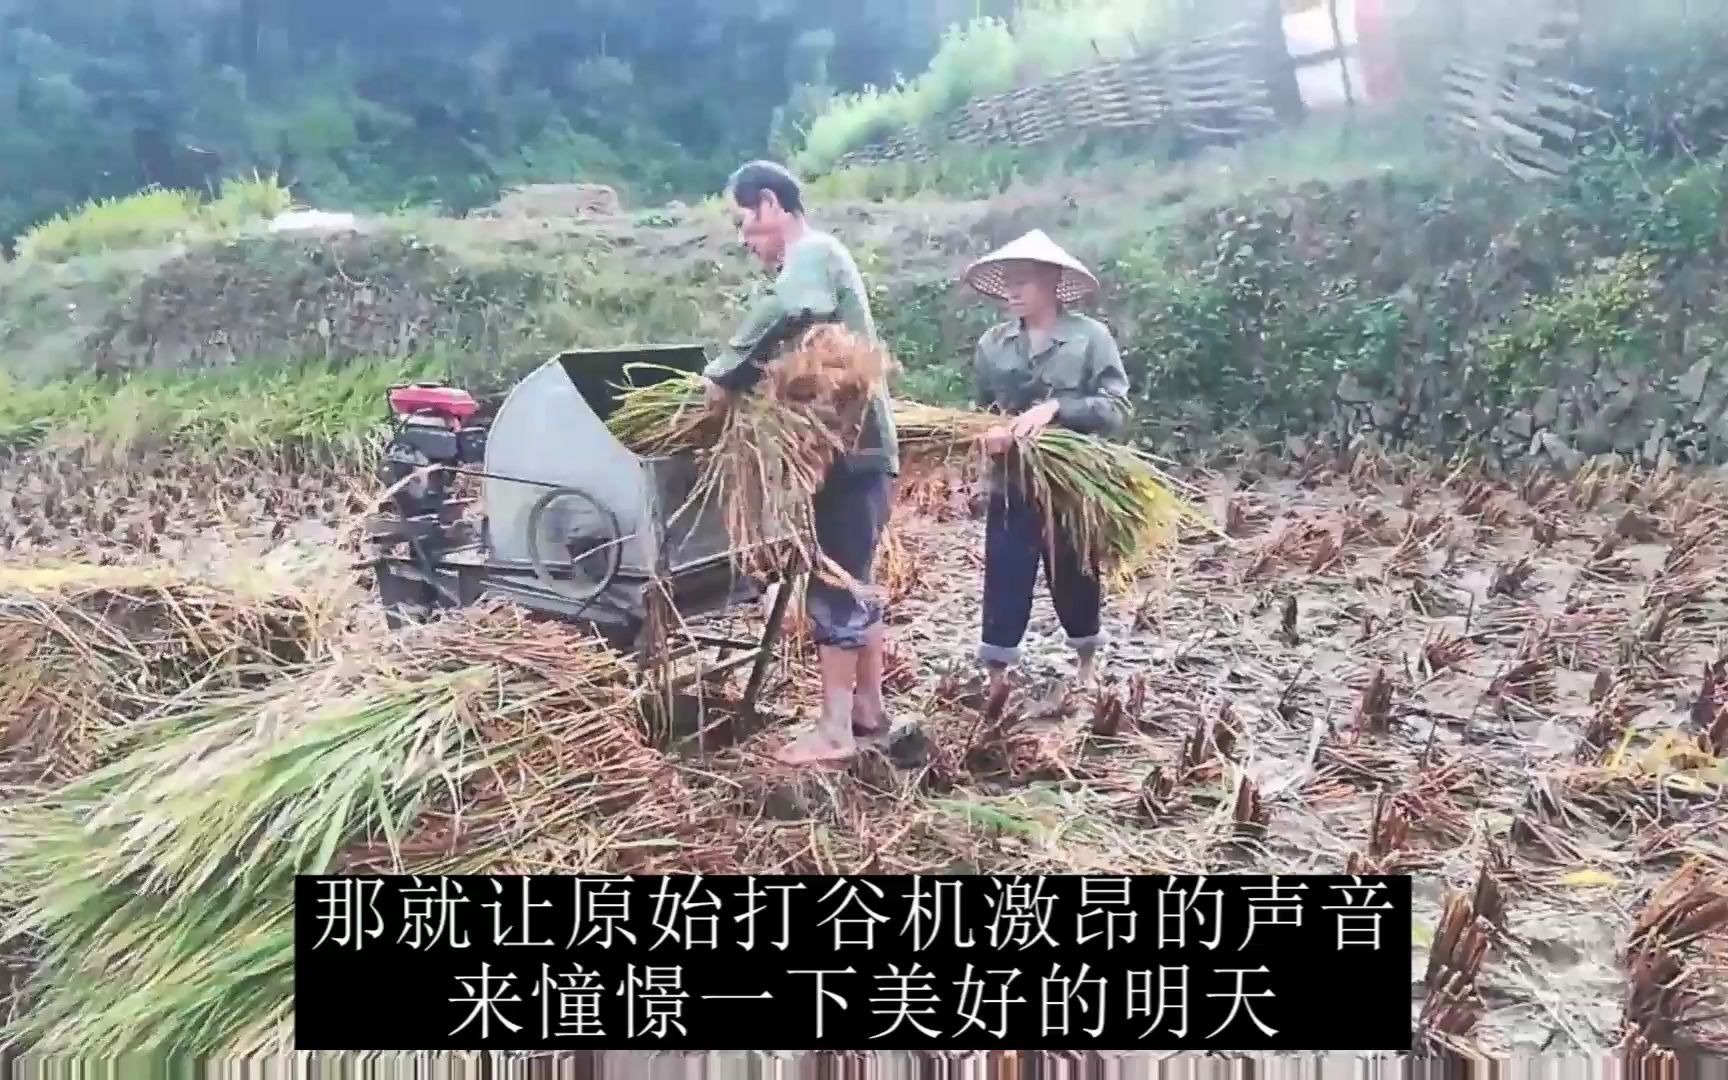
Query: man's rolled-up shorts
pixel 851 515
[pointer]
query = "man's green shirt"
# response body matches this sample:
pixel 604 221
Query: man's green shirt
pixel 819 277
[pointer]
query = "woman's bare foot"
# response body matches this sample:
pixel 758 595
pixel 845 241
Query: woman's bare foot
pixel 817 747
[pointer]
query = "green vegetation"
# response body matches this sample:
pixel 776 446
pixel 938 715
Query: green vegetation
pixel 1241 296
pixel 1043 39
pixel 329 413
pixel 973 176
pixel 480 296
pixel 1244 287
pixel 1450 294
pixel 382 106
pixel 154 217
pixel 374 106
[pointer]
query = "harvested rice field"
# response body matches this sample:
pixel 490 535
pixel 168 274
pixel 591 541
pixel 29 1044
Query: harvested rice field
pixel 1513 689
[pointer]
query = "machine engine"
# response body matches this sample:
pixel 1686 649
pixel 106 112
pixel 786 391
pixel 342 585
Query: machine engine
pixel 433 437
pixel 573 525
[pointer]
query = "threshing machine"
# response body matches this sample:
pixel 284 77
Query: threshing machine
pixel 570 524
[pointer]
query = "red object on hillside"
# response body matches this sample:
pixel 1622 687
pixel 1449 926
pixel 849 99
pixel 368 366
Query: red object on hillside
pixel 442 401
pixel 1378 51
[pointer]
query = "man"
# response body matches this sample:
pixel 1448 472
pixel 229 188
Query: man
pixel 1044 365
pixel 816 278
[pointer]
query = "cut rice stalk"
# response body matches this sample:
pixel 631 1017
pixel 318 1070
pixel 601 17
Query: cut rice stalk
pixel 1112 501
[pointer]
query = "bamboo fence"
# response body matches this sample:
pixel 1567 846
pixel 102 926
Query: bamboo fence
pixel 1207 91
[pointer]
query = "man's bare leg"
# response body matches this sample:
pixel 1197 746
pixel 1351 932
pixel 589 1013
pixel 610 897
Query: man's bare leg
pixel 869 713
pixel 831 738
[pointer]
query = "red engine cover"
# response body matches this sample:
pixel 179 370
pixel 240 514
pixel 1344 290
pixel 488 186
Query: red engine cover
pixel 444 401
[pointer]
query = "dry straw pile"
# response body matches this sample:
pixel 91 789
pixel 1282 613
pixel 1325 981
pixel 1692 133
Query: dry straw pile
pixel 87 651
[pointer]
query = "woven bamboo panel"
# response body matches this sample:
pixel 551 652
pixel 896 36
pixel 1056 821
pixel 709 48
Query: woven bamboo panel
pixel 1516 107
pixel 1209 90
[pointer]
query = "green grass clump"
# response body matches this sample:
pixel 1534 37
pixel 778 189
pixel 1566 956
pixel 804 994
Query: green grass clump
pixel 246 199
pixel 973 175
pixel 30 411
pixel 975 59
pixel 151 218
pixel 146 219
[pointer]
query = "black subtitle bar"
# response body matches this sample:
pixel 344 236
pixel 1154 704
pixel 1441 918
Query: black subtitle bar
pixel 853 963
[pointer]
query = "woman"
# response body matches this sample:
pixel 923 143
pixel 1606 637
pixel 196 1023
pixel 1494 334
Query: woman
pixel 1045 365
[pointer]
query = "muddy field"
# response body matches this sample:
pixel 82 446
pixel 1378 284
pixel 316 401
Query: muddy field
pixel 1428 673
pixel 1510 689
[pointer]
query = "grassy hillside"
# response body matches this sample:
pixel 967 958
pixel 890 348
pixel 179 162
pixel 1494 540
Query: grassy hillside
pixel 1321 283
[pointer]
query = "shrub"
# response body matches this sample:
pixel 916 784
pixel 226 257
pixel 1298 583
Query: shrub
pixel 975 58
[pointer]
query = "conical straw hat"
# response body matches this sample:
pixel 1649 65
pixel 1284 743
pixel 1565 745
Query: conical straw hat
pixel 985 275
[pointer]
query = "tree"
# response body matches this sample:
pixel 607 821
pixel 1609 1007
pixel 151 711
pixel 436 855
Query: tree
pixel 373 103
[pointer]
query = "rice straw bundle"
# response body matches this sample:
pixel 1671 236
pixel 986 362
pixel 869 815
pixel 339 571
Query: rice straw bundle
pixel 666 418
pixel 768 455
pixel 1116 506
pixel 481 744
pixel 764 455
